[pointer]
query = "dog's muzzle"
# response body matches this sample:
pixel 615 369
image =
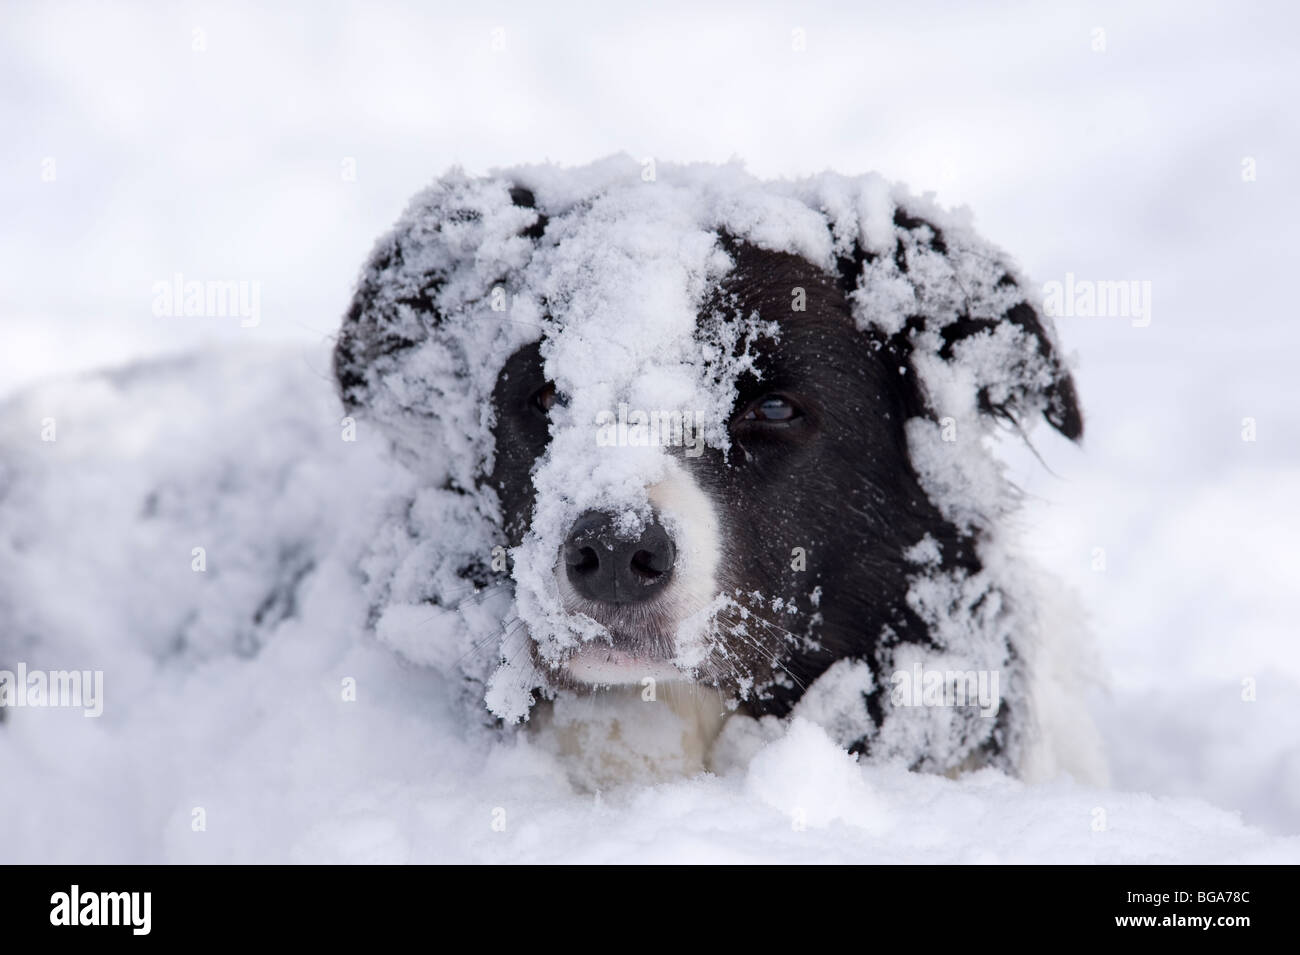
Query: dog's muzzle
pixel 607 566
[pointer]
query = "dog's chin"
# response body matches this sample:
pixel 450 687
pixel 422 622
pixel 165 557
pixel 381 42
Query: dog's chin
pixel 602 665
pixel 637 645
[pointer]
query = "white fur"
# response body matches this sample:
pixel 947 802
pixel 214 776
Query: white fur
pixel 626 736
pixel 688 515
pixel 690 518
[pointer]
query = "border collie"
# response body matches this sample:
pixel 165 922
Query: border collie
pixel 704 437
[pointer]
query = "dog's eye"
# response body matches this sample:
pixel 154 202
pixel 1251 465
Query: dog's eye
pixel 547 397
pixel 775 408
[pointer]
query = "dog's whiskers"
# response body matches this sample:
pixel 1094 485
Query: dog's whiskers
pixel 507 629
pixel 738 628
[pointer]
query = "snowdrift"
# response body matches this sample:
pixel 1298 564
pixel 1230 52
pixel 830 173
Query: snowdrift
pixel 251 715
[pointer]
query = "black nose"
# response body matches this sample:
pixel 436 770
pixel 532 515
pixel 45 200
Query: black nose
pixel 616 568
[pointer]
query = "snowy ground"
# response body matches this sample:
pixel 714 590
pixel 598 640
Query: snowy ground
pixel 225 163
pixel 247 722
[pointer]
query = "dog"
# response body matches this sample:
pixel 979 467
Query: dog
pixel 702 431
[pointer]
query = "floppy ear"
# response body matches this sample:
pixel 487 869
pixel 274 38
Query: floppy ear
pixel 955 297
pixel 1060 402
pixel 406 286
pixel 374 326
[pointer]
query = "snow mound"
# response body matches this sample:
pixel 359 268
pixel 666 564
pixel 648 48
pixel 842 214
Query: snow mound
pixel 249 716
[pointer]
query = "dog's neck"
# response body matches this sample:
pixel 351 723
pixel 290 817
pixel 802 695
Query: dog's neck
pixel 617 735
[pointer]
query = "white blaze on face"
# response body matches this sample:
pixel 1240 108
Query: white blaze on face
pixel 624 285
pixel 689 517
pixel 691 520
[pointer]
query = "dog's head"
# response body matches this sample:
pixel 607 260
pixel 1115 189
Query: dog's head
pixel 719 428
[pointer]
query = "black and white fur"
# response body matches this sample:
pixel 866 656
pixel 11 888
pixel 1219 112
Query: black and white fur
pixel 829 476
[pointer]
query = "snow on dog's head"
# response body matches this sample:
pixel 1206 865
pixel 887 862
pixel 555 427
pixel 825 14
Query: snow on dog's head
pixel 699 428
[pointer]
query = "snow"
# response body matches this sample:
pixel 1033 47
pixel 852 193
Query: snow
pixel 1124 164
pixel 286 771
pixel 252 730
pixel 614 288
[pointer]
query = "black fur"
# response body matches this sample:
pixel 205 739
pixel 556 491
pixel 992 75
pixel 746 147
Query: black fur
pixel 837 482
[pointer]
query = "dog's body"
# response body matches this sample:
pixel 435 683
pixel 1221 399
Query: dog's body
pixel 818 527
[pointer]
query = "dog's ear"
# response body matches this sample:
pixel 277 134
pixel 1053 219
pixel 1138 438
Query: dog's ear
pixel 954 298
pixel 1060 402
pixel 406 286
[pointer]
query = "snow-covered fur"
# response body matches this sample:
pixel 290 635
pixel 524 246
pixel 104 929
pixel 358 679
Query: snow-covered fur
pixel 837 356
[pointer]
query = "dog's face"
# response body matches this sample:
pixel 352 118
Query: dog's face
pixel 789 548
pixel 731 434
